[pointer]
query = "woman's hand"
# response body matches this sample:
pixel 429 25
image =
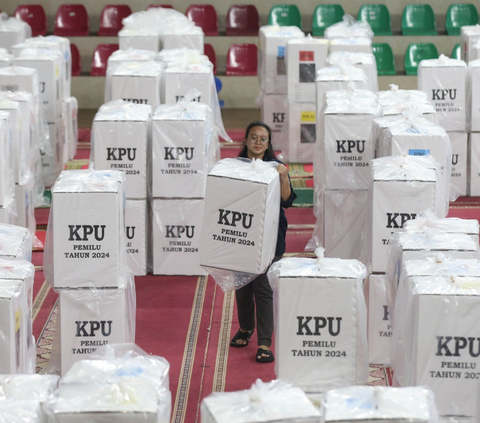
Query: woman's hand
pixel 284 182
pixel 282 170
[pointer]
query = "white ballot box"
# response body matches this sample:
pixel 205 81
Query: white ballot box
pixel 13 31
pixel 354 45
pixel 71 134
pixel 19 78
pixel 275 115
pixel 139 40
pixel 459 142
pixel 364 61
pixel 302 132
pixel 473 102
pixel 8 212
pixel 470 35
pixel 6 160
pixel 473 183
pixel 137 235
pixel 193 38
pixel 15 243
pixel 321 321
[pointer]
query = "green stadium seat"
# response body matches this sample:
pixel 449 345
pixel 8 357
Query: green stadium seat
pixel 459 15
pixel 324 16
pixel 416 52
pixel 377 16
pixel 285 15
pixel 384 57
pixel 457 52
pixel 418 19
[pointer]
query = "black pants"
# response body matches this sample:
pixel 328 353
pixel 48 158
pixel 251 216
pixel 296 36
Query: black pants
pixel 260 290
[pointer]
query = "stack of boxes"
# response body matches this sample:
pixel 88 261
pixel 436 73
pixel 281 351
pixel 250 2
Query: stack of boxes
pixel 87 239
pixel 473 118
pixel 115 125
pixel 13 31
pixel 5 58
pixel 7 176
pixel 364 61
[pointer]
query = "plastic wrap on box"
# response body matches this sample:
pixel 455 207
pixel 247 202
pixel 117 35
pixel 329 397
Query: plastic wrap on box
pixel 71 118
pixel 86 229
pixel 395 95
pixel 15 242
pixel 177 236
pixel 8 212
pixel 349 28
pixel 302 132
pixel 434 335
pixel 175 38
pixel 64 44
pixel 137 235
pixel 459 142
pixel 473 102
pixel 304 57
pixel 24 197
pixel 241 217
pixel 48 64
pixel 473 183
pixel 129 55
pixel 181 139
pixel 275 401
pixel 93 317
pixel 425 109
pixel 470 35
pixel 19 78
pixel 115 125
pixel 147 39
pixel 401 187
pixel 445 82
pixel 354 45
pixel 272 67
pixel 364 61
pixel 5 58
pixel 21 411
pixel 475 50
pixel 28 387
pixel 52 153
pixel 275 115
pixel 13 31
pixel 321 321
pixel 178 54
pixel 135 82
pixel 6 159
pixel 374 403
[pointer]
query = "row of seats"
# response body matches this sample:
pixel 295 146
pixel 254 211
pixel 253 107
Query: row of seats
pixel 243 20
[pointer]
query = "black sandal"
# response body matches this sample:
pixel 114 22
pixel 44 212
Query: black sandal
pixel 269 356
pixel 245 336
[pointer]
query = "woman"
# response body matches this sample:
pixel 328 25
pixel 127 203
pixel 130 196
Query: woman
pixel 258 145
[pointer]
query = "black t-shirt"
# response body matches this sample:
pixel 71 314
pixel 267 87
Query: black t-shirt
pixel 282 224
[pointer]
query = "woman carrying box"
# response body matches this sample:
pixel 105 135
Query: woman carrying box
pixel 258 294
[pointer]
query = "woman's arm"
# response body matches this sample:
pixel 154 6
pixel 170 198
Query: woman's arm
pixel 285 189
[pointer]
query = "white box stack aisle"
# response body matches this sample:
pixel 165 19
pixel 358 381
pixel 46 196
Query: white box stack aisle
pixel 121 141
pixel 13 31
pixel 272 74
pixel 181 134
pixel 86 263
pixel 445 82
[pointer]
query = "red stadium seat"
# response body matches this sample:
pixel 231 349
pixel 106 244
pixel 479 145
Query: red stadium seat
pixel 204 16
pixel 34 15
pixel 165 6
pixel 111 19
pixel 242 59
pixel 100 58
pixel 76 60
pixel 242 20
pixel 210 52
pixel 71 21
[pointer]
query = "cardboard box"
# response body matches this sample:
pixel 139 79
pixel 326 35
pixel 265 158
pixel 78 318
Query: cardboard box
pixel 52 159
pixel 137 235
pixel 241 216
pixel 88 229
pixel 179 81
pixel 302 132
pixel 13 31
pixel 128 39
pixel 137 89
pixel 114 128
pixel 19 78
pixel 304 57
pixel 13 340
pixel 344 217
pixel 275 115
pixel 179 155
pixel 8 212
pixel 474 165
pixel 425 109
pixel 459 142
pixel 473 105
pixel 470 35
pixel 71 118
pixel 355 45
pixel 6 161
pixel 191 40
pixel 15 243
pixel 445 82
pixel 363 61
pixel 177 236
pixel 25 206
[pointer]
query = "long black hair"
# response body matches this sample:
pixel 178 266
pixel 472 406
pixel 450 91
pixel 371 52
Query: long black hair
pixel 269 153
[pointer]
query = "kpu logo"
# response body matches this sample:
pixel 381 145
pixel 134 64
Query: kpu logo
pixel 176 231
pixel 351 145
pixel 120 153
pixel 82 232
pixel 136 100
pixel 90 327
pixel 444 94
pixel 181 97
pixel 304 327
pixel 392 221
pixel 459 343
pixel 224 216
pixel 176 153
pixel 278 117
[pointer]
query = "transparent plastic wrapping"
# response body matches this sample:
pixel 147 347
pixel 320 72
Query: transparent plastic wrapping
pixel 272 68
pixel 7 176
pixel 425 109
pixel 179 37
pixel 130 55
pixel 114 126
pixel 19 78
pixel 470 34
pixel 243 195
pixel 436 316
pixel 395 95
pixel 274 401
pixel 445 81
pixel 13 31
pixel 475 50
pixel 5 58
pixel 364 61
pixel 135 82
pixel 353 45
pixel 8 212
pixel 304 57
pixel 28 387
pixel 15 243
pixel 302 131
pixel 349 28
pixel 145 39
pixel 178 55
pixel 401 187
pixel 324 298
pixel 86 229
pixel 473 102
pixel 378 403
pixel 71 133
pixel 21 411
pixel 25 199
pixel 473 182
pixel 137 232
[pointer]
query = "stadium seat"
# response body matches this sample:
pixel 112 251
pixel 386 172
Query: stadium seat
pixel 100 58
pixel 457 52
pixel 242 60
pixel 204 16
pixel 76 60
pixel 71 21
pixel 377 16
pixel 111 19
pixel 384 57
pixel 209 51
pixel 417 52
pixel 34 15
pixel 324 16
pixel 165 6
pixel 242 20
pixel 418 19
pixel 459 15
pixel 285 15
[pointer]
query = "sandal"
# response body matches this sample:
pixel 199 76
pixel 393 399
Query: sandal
pixel 245 336
pixel 269 356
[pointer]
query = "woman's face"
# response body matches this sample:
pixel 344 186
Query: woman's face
pixel 257 142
